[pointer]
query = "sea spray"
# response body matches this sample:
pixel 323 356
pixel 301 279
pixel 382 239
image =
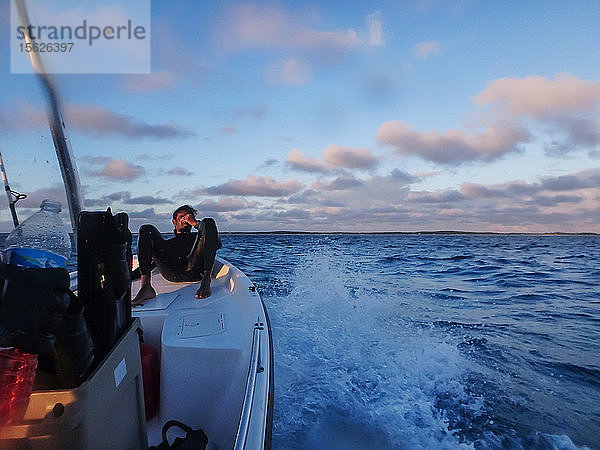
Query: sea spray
pixel 345 380
pixel 453 341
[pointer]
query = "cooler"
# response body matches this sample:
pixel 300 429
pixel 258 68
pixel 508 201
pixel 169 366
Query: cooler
pixel 197 346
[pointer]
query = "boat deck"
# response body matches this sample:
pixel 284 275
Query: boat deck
pixel 206 350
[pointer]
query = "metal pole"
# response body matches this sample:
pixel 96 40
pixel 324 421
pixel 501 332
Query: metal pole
pixel 9 194
pixel 57 127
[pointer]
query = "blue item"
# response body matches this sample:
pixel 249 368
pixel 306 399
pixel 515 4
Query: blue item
pixel 31 257
pixel 41 241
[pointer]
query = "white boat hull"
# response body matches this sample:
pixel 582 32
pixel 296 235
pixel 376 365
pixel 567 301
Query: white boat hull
pixel 216 357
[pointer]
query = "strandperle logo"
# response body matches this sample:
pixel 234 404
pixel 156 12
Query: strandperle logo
pixel 82 37
pixel 84 32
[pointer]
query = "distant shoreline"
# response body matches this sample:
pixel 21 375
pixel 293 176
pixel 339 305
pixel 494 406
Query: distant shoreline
pixel 416 233
pixel 441 232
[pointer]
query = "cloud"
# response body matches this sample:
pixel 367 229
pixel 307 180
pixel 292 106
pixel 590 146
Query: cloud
pixel 149 214
pixel 297 160
pixel 224 204
pixel 473 190
pixel 543 200
pixel 120 195
pixel 335 157
pixel 293 214
pixel 229 129
pixel 425 5
pixel 568 202
pixel 118 170
pixel 547 186
pixel 565 108
pixel 375 26
pixel 179 171
pixel 447 196
pixel 349 158
pixel 453 146
pixel 292 72
pixel 125 198
pixel 577 133
pixel 540 97
pixel 583 131
pixel 152 82
pixel 146 200
pixel 246 26
pixel 400 176
pixel 256 112
pixel 340 183
pixel 94 120
pixel 270 162
pixel 586 179
pixel 250 25
pixel 100 122
pixel 567 105
pixel 304 197
pixel 256 186
pixel 34 199
pixel 424 50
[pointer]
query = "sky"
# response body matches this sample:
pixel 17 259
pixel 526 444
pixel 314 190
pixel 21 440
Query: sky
pixel 326 116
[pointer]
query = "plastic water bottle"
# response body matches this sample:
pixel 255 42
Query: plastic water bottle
pixel 40 241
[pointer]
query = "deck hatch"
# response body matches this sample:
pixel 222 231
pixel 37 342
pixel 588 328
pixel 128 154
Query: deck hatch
pixel 197 325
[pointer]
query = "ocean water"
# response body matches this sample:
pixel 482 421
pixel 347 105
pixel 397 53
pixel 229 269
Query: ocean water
pixel 430 341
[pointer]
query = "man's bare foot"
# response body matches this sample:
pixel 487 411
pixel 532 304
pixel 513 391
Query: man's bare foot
pixel 146 293
pixel 204 291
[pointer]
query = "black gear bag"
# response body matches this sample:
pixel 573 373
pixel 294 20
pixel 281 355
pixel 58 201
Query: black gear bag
pixel 104 280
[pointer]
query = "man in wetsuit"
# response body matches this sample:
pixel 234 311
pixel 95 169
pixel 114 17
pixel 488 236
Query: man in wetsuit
pixel 186 257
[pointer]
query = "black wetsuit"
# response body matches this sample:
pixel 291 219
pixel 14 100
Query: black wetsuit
pixel 182 258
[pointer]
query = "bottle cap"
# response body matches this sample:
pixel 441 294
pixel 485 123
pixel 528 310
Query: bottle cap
pixel 51 204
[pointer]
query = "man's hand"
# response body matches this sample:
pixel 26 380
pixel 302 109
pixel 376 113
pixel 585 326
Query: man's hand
pixel 190 219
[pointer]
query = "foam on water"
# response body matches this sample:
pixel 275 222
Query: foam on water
pixel 351 373
pixel 354 370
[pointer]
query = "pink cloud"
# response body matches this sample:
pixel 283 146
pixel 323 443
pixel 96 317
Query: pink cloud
pixel 540 97
pixel 292 72
pixel 260 186
pixel 424 50
pixel 453 146
pixel 100 121
pixel 296 159
pixel 567 106
pixel 94 120
pixel 252 26
pixel 118 169
pixel 335 157
pixel 349 158
pixel 223 205
pixel 473 190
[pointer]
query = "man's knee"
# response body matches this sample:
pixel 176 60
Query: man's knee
pixel 209 225
pixel 208 228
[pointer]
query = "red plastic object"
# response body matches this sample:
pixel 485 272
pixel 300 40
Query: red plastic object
pixel 17 374
pixel 151 378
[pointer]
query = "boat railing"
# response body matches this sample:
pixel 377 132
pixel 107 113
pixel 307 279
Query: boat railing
pixel 255 368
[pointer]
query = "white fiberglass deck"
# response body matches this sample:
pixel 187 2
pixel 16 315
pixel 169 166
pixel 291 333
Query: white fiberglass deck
pixel 205 347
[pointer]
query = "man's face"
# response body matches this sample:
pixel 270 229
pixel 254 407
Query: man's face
pixel 181 222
